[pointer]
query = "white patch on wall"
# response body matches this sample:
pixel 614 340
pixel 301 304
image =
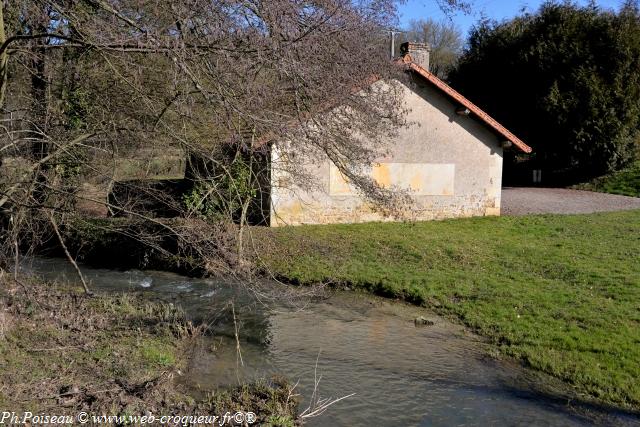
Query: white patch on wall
pixel 421 179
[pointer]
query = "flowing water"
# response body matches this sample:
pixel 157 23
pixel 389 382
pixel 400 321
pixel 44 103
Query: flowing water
pixel 402 375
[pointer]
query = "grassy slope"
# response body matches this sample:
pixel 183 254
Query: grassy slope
pixel 62 352
pixel 625 182
pixel 561 293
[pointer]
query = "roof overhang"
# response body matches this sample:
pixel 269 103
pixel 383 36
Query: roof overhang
pixel 468 105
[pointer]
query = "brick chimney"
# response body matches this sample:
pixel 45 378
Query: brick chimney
pixel 418 53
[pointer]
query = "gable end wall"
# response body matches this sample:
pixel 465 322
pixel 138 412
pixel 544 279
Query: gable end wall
pixel 440 141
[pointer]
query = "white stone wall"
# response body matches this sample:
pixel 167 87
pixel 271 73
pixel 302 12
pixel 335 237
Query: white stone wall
pixel 451 164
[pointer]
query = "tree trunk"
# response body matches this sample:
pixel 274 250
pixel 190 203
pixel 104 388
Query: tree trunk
pixel 39 93
pixel 39 88
pixel 243 224
pixel 4 58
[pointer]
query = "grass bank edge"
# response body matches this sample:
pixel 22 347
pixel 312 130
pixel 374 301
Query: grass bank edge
pixel 63 352
pixel 561 293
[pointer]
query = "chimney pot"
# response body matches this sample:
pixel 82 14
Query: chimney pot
pixel 418 53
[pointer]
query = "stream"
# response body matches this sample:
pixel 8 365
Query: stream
pixel 401 374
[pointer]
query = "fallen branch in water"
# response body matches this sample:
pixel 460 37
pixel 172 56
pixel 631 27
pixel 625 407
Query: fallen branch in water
pixel 66 251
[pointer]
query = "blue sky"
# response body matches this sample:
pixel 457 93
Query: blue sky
pixel 494 9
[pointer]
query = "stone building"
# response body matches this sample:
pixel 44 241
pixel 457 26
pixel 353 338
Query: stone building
pixel 450 162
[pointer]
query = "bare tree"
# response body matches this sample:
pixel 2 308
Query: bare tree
pixel 95 94
pixel 444 38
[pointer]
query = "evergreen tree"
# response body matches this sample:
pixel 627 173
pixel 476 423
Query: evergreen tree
pixel 566 79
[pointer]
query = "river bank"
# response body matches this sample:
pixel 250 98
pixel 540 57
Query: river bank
pixel 559 293
pixel 65 353
pixel 368 350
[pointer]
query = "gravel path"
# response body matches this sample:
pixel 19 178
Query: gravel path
pixel 523 201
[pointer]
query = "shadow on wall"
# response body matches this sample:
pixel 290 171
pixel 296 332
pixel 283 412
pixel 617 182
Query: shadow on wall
pixel 448 108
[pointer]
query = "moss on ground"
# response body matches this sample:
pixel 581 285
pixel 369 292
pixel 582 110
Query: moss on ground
pixel 559 292
pixel 62 352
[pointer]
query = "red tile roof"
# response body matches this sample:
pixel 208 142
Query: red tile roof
pixel 452 93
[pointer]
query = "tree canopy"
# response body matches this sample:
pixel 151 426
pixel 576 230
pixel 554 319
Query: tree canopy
pixel 444 39
pixel 566 79
pixel 85 84
pixel 92 89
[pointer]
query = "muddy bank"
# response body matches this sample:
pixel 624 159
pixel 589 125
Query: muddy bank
pixel 62 352
pixel 400 373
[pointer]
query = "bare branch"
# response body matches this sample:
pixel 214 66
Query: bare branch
pixel 52 219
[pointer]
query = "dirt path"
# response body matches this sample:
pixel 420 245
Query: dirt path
pixel 524 201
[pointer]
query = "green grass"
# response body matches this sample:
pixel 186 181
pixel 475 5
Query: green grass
pixel 157 353
pixel 109 354
pixel 625 182
pixel 560 293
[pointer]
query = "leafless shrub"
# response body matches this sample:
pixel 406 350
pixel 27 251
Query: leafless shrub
pixel 4 325
pixel 98 98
